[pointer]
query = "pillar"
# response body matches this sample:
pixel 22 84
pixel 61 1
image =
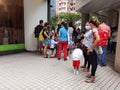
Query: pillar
pixel 117 57
pixel 85 17
pixel 34 10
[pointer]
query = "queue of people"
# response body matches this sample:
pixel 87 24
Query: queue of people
pixel 85 45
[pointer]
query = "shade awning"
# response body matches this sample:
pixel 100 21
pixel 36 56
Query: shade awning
pixel 97 5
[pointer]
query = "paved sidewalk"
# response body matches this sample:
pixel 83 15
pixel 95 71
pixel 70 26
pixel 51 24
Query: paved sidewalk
pixel 29 71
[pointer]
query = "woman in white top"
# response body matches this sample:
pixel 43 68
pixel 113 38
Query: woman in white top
pixel 87 41
pixel 113 40
pixel 70 33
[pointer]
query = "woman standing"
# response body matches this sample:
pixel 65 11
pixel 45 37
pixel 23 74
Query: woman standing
pixel 63 40
pixel 91 50
pixel 87 41
pixel 46 41
pixel 70 39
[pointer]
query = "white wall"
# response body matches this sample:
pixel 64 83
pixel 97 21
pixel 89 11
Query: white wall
pixel 34 10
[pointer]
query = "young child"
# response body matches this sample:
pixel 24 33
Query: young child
pixel 53 46
pixel 77 55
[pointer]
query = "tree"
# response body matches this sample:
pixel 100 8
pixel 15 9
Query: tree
pixel 66 17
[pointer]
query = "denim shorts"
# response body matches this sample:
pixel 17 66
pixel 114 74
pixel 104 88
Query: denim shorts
pixel 46 41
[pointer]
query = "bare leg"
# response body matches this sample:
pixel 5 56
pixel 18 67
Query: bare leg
pixel 45 51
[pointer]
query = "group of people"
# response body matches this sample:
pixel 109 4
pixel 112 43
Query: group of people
pixel 56 41
pixel 42 29
pixel 94 46
pixel 87 48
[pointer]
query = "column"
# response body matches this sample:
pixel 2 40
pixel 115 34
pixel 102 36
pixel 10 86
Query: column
pixel 34 10
pixel 85 17
pixel 117 57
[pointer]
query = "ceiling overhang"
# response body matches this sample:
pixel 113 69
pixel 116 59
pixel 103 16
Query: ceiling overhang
pixel 99 5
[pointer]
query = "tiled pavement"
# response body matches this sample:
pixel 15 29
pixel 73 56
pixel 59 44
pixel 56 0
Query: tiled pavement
pixel 30 71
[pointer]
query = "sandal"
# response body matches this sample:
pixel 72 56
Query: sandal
pixel 90 80
pixel 52 56
pixel 88 76
pixel 46 56
pixel 85 70
pixel 83 66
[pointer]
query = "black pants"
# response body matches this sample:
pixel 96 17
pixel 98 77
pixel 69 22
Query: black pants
pixel 86 63
pixel 93 61
pixel 113 47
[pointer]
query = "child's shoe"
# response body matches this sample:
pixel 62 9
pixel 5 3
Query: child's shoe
pixel 74 72
pixel 68 58
pixel 52 56
pixel 77 72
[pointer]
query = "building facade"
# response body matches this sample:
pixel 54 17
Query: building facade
pixel 53 8
pixel 65 6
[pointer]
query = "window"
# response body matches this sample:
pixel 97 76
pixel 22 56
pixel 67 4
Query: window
pixel 11 22
pixel 59 8
pixel 64 3
pixel 59 4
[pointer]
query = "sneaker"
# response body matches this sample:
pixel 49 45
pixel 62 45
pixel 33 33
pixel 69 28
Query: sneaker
pixel 58 58
pixel 74 72
pixel 77 72
pixel 68 57
pixel 52 56
pixel 102 65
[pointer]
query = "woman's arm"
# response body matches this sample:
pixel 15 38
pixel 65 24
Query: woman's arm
pixel 58 33
pixel 97 39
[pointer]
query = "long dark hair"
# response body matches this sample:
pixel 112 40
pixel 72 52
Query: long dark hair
pixel 65 25
pixel 70 24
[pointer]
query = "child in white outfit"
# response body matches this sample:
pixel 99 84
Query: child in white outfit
pixel 77 55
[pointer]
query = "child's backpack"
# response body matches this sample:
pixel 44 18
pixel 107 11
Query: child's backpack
pixel 41 38
pixel 104 35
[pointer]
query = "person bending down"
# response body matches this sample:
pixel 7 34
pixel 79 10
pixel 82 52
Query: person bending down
pixel 53 46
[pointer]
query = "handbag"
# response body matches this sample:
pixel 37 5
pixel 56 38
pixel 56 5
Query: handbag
pixel 98 49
